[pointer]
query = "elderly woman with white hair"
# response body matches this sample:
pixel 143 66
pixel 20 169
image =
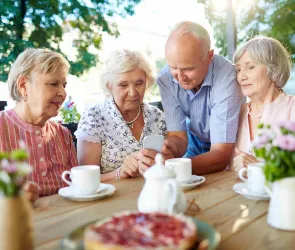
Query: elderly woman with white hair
pixel 37 82
pixel 111 133
pixel 263 68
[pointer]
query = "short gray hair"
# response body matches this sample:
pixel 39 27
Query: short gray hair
pixel 122 61
pixel 43 61
pixel 272 54
pixel 195 29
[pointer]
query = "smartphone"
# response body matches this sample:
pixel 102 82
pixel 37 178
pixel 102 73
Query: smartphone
pixel 153 142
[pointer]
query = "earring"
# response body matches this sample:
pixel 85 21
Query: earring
pixel 25 98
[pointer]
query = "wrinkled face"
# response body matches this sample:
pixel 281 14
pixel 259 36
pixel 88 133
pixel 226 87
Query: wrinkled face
pixel 46 93
pixel 252 77
pixel 186 60
pixel 128 89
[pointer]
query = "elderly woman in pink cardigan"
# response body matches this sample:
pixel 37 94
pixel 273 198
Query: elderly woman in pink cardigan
pixel 263 68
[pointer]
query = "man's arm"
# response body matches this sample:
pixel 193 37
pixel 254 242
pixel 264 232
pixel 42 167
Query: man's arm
pixel 215 160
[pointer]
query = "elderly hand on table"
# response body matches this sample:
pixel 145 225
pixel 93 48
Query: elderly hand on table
pixel 129 167
pixel 31 191
pixel 242 160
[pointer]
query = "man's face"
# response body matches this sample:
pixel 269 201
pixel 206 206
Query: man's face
pixel 188 61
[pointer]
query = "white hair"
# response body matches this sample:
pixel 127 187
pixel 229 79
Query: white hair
pixel 272 54
pixel 122 61
pixel 195 29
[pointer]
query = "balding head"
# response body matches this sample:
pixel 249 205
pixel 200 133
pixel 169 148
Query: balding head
pixel 193 31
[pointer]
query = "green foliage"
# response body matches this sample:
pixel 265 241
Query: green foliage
pixel 70 115
pixel 277 150
pixel 42 23
pixel 274 18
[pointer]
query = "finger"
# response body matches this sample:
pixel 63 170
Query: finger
pixel 149 153
pixel 169 147
pixel 127 170
pixel 31 196
pixel 142 167
pixel 148 162
pixel 31 187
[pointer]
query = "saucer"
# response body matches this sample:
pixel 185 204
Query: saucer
pixel 242 188
pixel 104 190
pixel 193 182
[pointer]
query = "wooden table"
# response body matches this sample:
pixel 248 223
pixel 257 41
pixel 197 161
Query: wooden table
pixel 241 222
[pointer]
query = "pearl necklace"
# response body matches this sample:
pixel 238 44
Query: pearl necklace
pixel 130 124
pixel 254 116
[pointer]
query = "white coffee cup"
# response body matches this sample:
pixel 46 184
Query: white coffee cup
pixel 256 178
pixel 182 168
pixel 84 179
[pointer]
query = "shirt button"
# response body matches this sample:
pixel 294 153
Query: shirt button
pixel 39 145
pixel 43 173
pixel 41 159
pixel 37 132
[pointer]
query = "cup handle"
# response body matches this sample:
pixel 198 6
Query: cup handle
pixel 241 172
pixel 63 176
pixel 173 187
pixel 267 189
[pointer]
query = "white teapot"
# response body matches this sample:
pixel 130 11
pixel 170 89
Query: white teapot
pixel 161 191
pixel 281 211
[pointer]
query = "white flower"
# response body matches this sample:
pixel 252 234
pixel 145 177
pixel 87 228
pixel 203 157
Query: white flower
pixel 5 177
pixel 24 168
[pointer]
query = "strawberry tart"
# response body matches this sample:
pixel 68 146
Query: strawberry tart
pixel 138 231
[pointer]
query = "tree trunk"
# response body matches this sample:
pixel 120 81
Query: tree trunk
pixel 22 14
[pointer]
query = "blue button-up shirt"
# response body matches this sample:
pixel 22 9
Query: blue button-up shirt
pixel 213 111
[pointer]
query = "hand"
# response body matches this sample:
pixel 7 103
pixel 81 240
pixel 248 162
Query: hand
pixel 146 158
pixel 168 149
pixel 31 191
pixel 242 160
pixel 130 166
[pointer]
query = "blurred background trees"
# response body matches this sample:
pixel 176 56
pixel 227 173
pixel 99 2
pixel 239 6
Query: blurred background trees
pixel 275 18
pixel 42 24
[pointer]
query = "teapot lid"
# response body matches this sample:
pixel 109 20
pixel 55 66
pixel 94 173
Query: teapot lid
pixel 159 170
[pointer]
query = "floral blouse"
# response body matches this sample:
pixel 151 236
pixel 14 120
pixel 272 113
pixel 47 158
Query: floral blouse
pixel 103 123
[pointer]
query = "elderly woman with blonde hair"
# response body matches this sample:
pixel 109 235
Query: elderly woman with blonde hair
pixel 111 133
pixel 37 82
pixel 263 68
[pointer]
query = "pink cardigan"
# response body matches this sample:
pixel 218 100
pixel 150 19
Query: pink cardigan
pixel 51 150
pixel 282 108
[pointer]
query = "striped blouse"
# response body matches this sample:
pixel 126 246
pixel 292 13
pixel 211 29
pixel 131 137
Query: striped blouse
pixel 50 148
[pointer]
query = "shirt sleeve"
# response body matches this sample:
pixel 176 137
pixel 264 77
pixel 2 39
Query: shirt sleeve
pixel 90 127
pixel 227 102
pixel 174 115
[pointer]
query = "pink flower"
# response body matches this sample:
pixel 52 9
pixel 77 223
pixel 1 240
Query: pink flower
pixel 261 140
pixel 71 104
pixel 9 167
pixel 285 142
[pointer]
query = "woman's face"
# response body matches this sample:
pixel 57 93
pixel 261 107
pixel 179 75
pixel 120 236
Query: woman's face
pixel 46 93
pixel 252 77
pixel 128 89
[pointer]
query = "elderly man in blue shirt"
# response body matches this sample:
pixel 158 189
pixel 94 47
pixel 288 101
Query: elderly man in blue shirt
pixel 201 100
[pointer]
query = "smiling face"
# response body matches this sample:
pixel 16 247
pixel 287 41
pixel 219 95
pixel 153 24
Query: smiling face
pixel 45 93
pixel 252 77
pixel 185 58
pixel 128 89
